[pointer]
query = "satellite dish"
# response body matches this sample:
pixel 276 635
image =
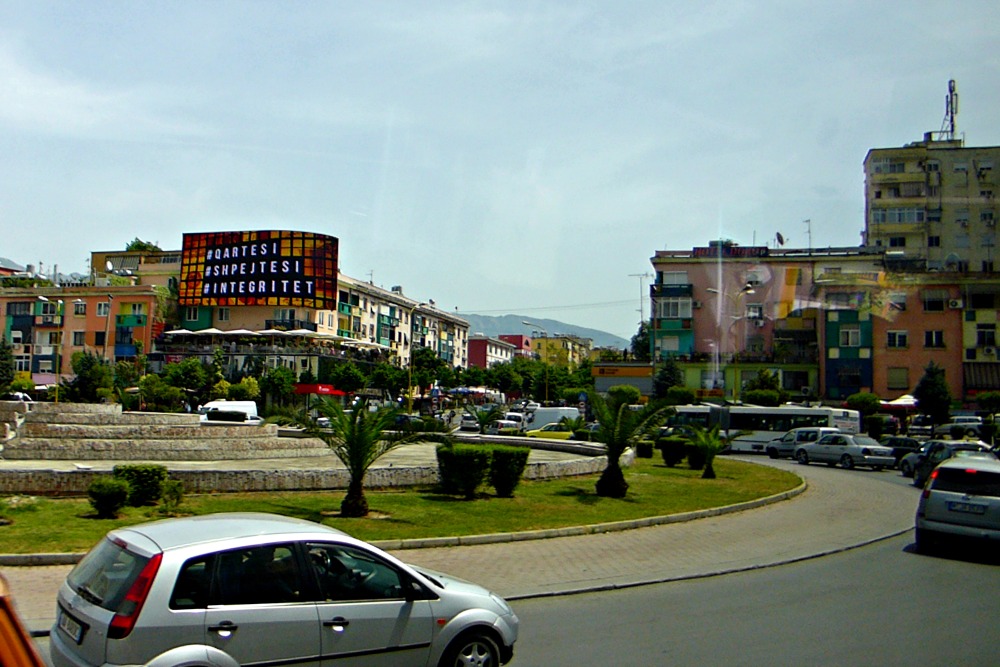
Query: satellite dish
pixel 780 238
pixel 108 265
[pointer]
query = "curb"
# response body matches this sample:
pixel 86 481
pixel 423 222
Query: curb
pixel 37 560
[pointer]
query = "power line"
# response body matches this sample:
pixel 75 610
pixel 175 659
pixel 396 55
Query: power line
pixel 580 306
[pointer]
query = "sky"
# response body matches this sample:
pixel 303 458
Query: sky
pixel 497 157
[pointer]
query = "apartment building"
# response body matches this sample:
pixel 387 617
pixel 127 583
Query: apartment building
pixel 485 351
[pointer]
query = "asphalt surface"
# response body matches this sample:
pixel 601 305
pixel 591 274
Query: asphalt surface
pixel 835 510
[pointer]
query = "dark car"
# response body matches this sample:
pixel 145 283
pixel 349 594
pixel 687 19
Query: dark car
pixel 901 446
pixel 941 450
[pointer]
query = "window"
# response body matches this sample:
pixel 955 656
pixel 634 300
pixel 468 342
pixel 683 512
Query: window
pixel 980 301
pixel 898 378
pixel 986 335
pixel 934 339
pixel 897 215
pixel 843 300
pixel 284 314
pixel 911 189
pixel 223 315
pixel 49 308
pixel 257 575
pixel 986 217
pixel 897 339
pixel 137 308
pixel 79 308
pixel 885 165
pixel 897 301
pixel 961 166
pixel 897 241
pixel 934 300
pixel 79 338
pixel 191 314
pixel 850 335
pixel 962 218
pixel 674 308
pixel 755 311
pixel 346 574
pixel 103 308
pixel 933 165
pixel 674 278
pixel 933 241
pixel 19 308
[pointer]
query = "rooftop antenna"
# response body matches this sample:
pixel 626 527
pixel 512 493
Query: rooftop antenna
pixel 809 232
pixel 640 276
pixel 950 111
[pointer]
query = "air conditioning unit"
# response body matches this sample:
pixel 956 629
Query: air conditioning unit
pixel 696 304
pixel 955 303
pixel 48 319
pixel 759 324
pixel 805 391
pixel 989 351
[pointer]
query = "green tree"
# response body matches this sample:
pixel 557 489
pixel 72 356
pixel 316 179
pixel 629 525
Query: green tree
pixel 989 402
pixel 159 396
pixel 582 375
pixel 138 245
pixel 347 377
pixel 640 345
pixel 864 402
pixel 765 397
pixel 709 442
pixel 190 375
pixel 933 395
pixel 7 372
pixel 391 380
pixel 278 384
pixel 503 377
pixel 765 380
pixel 621 427
pixel 358 438
pixel 669 375
pixel 247 389
pixel 474 376
pixel 93 378
pixel 424 366
pixel 484 417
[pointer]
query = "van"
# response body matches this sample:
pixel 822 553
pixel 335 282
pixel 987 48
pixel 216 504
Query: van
pixel 542 416
pixel 518 418
pixel 787 444
pixel 229 412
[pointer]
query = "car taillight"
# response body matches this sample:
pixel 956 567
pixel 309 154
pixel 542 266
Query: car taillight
pixel 927 484
pixel 128 611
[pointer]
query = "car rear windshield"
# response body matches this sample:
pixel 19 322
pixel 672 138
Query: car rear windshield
pixel 106 574
pixel 973 482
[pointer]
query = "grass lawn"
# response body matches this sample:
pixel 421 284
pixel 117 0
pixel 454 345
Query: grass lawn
pixel 44 525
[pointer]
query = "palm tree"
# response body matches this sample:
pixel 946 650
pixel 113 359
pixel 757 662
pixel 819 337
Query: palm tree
pixel 710 442
pixel 621 427
pixel 485 417
pixel 357 437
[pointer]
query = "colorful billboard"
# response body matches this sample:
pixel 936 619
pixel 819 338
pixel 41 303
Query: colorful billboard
pixel 268 268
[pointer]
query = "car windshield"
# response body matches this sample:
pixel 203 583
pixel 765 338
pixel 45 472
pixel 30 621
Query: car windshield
pixel 105 574
pixel 865 441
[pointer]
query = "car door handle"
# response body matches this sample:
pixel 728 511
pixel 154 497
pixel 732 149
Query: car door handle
pixel 224 629
pixel 338 623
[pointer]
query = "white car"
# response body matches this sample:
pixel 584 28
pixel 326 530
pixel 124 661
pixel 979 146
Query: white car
pixel 960 501
pixel 468 423
pixel 787 444
pixel 847 449
pixel 242 588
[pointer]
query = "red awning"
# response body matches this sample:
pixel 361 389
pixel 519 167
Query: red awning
pixel 322 389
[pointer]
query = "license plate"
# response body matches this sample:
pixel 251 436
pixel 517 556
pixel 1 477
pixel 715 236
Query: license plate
pixel 71 627
pixel 968 508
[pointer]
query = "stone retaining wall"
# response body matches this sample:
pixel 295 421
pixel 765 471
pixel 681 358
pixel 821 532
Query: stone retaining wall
pixel 75 482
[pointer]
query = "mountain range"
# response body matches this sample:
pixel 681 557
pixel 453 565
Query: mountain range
pixel 516 324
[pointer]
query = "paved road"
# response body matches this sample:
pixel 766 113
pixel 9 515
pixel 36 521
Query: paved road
pixel 838 510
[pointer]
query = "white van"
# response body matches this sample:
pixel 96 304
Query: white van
pixel 789 442
pixel 518 418
pixel 542 416
pixel 224 410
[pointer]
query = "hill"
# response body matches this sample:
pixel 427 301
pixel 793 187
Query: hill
pixel 515 324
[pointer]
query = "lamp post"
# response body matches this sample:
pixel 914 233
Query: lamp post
pixel 107 327
pixel 545 363
pixel 735 300
pixel 409 367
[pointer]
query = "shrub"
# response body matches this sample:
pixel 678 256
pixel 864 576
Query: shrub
pixel 874 424
pixel 582 434
pixel 680 396
pixel 506 467
pixel 108 495
pixel 644 449
pixel 463 468
pixel 145 482
pixel 173 495
pixel 696 456
pixel 673 450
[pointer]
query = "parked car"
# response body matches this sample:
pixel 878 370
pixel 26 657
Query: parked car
pixel 909 462
pixel 921 426
pixel 468 423
pixel 901 445
pixel 961 500
pixel 785 445
pixel 16 647
pixel 940 450
pixel 847 449
pixel 555 431
pixel 497 425
pixel 967 426
pixel 233 589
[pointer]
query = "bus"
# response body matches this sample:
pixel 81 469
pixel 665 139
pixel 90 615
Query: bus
pixel 754 426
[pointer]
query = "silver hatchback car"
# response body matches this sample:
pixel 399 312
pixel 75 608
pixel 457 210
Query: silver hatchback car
pixel 237 589
pixel 961 500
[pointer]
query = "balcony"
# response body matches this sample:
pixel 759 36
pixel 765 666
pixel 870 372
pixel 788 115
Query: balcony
pixel 289 325
pixel 131 320
pixel 671 290
pixel 48 321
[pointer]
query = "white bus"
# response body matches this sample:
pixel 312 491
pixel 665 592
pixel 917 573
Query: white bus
pixel 758 425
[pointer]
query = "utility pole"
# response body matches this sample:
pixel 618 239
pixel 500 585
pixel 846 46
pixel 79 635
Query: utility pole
pixel 642 295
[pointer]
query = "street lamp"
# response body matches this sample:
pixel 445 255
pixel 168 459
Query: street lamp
pixel 409 375
pixel 107 327
pixel 735 299
pixel 545 363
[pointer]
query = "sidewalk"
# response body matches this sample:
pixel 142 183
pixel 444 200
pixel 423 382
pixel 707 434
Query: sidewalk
pixel 838 510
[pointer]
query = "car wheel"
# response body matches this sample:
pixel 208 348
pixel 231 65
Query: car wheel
pixel 847 462
pixel 473 649
pixel 772 453
pixel 972 433
pixel 923 541
pixel 906 468
pixel 802 457
pixel 877 468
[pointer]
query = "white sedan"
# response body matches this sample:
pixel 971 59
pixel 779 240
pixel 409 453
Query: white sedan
pixel 848 450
